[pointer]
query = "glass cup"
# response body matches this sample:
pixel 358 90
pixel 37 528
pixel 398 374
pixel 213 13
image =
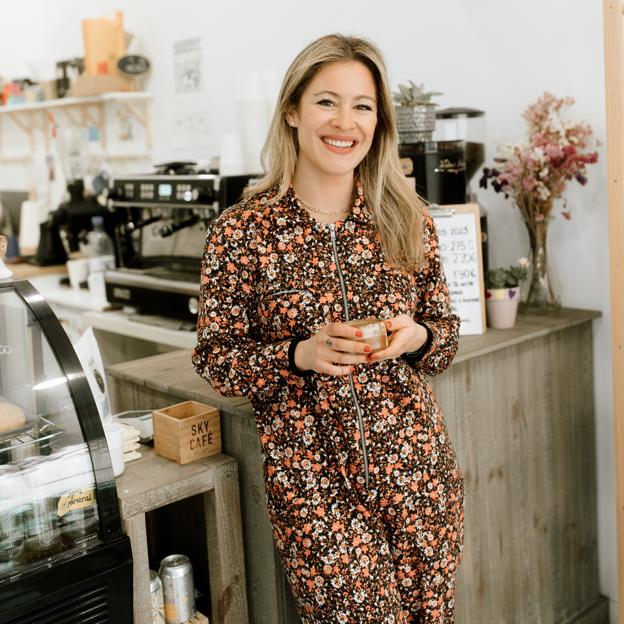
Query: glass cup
pixel 41 515
pixel 12 529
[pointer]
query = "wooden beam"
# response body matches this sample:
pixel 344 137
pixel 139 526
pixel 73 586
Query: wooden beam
pixel 69 114
pixel 19 123
pixel 102 125
pixel 614 99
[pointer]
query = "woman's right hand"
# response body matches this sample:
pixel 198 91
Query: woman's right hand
pixel 332 350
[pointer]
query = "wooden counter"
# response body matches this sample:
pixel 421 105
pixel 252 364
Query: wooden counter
pixel 519 408
pixel 24 271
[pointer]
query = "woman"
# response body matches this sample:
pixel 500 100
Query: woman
pixel 363 488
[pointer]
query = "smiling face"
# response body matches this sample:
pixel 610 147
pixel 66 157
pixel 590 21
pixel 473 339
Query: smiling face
pixel 335 120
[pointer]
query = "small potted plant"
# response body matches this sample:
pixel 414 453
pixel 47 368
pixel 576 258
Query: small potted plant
pixel 502 293
pixel 415 112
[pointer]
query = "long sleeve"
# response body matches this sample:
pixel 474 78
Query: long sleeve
pixel 434 307
pixel 228 355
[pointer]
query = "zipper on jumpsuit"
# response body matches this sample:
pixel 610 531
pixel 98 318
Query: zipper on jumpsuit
pixel 351 384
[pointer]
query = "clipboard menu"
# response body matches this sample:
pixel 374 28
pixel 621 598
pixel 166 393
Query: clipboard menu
pixel 459 234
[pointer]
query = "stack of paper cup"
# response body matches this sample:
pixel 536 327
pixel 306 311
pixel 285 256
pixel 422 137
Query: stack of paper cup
pixel 231 156
pixel 114 439
pixel 254 107
pixel 31 215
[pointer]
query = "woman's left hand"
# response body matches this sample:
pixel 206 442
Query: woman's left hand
pixel 404 335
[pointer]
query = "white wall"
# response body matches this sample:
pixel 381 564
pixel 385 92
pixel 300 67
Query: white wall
pixel 493 55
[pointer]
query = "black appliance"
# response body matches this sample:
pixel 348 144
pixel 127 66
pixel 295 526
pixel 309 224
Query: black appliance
pixel 443 168
pixel 159 237
pixel 467 125
pixel 66 71
pixel 63 554
pixel 73 218
pixel 439 169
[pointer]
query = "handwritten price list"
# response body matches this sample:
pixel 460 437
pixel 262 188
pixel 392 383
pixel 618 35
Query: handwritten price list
pixel 459 240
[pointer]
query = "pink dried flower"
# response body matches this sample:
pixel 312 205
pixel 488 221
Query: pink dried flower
pixel 535 173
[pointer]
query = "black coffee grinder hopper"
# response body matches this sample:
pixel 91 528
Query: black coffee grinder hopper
pixel 74 218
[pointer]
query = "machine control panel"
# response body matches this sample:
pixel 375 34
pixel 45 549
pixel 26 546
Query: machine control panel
pixel 197 190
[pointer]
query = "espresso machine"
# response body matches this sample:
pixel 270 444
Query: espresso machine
pixel 161 221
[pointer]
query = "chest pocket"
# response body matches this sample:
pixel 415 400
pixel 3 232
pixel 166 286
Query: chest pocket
pixel 401 295
pixel 384 294
pixel 289 312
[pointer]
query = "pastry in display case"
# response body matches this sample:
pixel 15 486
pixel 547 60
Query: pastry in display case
pixel 63 554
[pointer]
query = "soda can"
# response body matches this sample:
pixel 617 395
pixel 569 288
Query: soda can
pixel 176 574
pixel 158 605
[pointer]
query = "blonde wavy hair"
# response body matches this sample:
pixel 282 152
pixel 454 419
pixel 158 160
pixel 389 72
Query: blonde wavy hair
pixel 397 209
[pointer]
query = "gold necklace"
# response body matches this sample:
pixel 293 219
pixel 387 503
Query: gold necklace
pixel 325 212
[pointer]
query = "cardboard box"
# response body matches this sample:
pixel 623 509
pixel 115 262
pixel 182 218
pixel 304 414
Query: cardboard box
pixel 104 43
pixel 87 84
pixel 187 431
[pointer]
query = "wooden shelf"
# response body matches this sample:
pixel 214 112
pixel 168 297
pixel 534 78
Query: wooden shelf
pixel 78 111
pixel 67 102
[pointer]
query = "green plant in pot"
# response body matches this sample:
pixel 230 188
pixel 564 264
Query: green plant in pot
pixel 502 293
pixel 415 112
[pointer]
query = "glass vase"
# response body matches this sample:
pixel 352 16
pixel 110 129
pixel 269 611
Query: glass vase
pixel 541 295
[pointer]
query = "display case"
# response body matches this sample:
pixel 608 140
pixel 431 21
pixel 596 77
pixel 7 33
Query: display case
pixel 63 554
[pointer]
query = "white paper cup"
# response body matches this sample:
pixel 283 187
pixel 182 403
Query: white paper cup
pixel 114 439
pixel 78 271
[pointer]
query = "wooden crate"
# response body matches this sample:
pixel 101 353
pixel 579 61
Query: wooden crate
pixel 187 431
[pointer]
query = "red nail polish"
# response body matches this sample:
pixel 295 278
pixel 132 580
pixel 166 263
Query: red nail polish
pixel 367 349
pixel 358 333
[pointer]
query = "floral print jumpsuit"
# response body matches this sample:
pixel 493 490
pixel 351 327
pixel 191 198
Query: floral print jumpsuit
pixel 363 487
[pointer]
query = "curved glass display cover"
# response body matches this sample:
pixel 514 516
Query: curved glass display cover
pixel 48 490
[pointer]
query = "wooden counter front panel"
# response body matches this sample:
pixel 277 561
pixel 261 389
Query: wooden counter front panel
pixel 522 421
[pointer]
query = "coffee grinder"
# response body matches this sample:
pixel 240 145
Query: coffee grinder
pixel 73 218
pixel 467 125
pixel 444 167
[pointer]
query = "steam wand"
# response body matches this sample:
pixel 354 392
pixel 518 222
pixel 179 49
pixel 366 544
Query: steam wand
pixel 172 228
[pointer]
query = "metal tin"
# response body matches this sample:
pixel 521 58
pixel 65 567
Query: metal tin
pixel 158 604
pixel 176 574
